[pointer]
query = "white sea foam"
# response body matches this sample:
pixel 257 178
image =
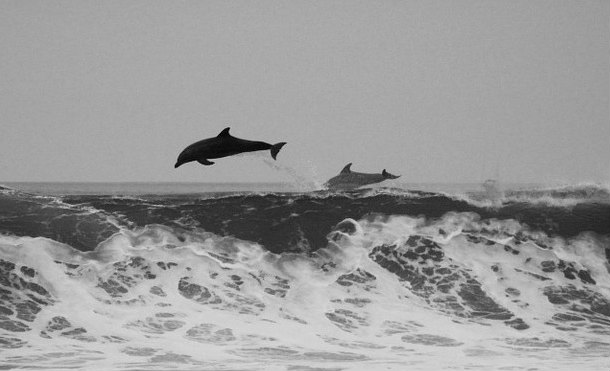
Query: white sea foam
pixel 156 297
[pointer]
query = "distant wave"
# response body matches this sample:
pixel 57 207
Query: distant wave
pixel 563 195
pixel 278 221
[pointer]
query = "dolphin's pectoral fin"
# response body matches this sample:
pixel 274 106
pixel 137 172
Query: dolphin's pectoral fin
pixel 204 161
pixel 346 169
pixel 225 133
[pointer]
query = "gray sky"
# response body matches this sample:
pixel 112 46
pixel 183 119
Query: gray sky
pixel 433 90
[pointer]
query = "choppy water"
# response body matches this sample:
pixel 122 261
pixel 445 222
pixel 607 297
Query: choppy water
pixel 225 279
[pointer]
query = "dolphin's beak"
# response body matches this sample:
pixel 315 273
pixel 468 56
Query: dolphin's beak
pixel 177 164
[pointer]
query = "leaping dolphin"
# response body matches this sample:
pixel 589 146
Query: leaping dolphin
pixel 223 145
pixel 348 179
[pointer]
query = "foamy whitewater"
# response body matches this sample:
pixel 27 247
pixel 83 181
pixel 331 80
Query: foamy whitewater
pixel 374 279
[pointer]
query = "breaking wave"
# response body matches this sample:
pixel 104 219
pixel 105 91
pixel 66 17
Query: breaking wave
pixel 377 279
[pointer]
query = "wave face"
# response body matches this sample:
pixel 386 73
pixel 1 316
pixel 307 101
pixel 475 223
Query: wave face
pixel 379 279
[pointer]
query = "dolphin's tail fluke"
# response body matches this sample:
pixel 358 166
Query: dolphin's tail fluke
pixel 276 148
pixel 387 175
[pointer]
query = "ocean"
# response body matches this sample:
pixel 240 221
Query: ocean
pixel 272 276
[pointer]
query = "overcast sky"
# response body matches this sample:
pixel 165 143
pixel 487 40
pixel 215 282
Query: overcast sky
pixel 438 91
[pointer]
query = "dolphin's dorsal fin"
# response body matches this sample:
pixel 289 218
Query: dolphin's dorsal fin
pixel 225 133
pixel 346 169
pixel 384 173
